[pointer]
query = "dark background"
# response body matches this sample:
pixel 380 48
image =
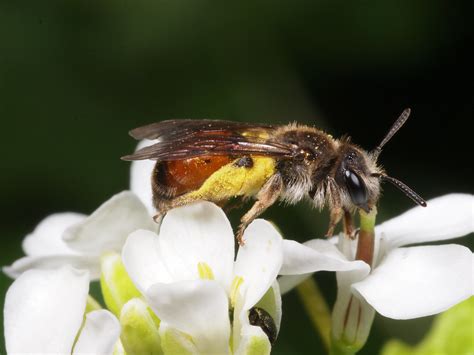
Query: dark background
pixel 75 76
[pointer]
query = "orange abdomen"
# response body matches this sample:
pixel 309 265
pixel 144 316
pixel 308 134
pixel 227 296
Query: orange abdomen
pixel 189 174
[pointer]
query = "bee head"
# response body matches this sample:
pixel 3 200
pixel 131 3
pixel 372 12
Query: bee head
pixel 354 176
pixel 359 176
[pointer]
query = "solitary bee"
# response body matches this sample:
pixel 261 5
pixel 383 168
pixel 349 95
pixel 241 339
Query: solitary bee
pixel 218 160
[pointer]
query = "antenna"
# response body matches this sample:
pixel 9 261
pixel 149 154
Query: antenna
pixel 404 188
pixel 394 129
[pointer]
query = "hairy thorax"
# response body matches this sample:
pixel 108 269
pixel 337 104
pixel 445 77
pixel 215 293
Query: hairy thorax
pixel 313 153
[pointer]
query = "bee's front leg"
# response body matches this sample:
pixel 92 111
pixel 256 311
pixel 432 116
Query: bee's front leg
pixel 349 229
pixel 266 197
pixel 335 206
pixel 335 215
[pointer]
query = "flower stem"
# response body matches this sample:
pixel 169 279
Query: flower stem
pixel 317 309
pixel 366 240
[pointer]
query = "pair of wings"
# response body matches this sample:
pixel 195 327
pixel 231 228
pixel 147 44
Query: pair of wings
pixel 186 138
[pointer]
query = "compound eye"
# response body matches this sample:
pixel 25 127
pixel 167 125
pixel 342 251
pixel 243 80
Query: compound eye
pixel 356 188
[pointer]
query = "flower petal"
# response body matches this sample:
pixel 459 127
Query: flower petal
pixel 44 310
pixel 351 318
pixel 315 255
pixel 445 217
pixel 197 233
pixel 289 282
pixel 142 260
pixel 100 333
pixel 258 261
pixel 199 308
pixel 46 239
pixel 419 281
pixel 140 178
pixel 81 262
pixel 109 226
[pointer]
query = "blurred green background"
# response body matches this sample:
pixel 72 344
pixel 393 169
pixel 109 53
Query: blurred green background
pixel 75 76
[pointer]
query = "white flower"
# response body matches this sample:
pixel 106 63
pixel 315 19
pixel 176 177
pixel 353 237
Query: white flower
pixel 44 313
pixel 77 240
pixel 190 279
pixel 405 282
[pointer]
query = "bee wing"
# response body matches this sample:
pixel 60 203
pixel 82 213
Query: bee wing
pixel 176 129
pixel 210 143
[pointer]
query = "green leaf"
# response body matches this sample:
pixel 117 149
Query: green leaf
pixel 452 333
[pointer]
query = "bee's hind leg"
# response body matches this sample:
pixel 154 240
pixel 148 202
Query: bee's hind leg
pixel 164 206
pixel 266 197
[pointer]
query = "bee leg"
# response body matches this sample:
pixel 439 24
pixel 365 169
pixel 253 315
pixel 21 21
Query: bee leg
pixel 266 197
pixel 158 217
pixel 162 207
pixel 336 211
pixel 166 206
pixel 335 215
pixel 348 225
pixel 233 205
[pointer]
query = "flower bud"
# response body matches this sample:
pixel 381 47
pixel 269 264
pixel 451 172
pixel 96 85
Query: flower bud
pixel 139 328
pixel 117 287
pixel 352 318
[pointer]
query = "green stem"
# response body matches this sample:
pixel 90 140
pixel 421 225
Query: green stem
pixel 317 309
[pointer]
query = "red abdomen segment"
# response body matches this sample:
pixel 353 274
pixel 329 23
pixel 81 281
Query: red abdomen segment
pixel 189 174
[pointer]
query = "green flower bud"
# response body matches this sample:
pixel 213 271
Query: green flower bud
pixel 139 328
pixel 117 287
pixel 176 342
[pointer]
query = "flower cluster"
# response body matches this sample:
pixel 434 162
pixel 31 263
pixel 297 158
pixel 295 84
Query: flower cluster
pixel 183 288
pixel 185 282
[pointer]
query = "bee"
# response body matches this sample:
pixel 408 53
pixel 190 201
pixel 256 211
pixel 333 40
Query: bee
pixel 218 160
